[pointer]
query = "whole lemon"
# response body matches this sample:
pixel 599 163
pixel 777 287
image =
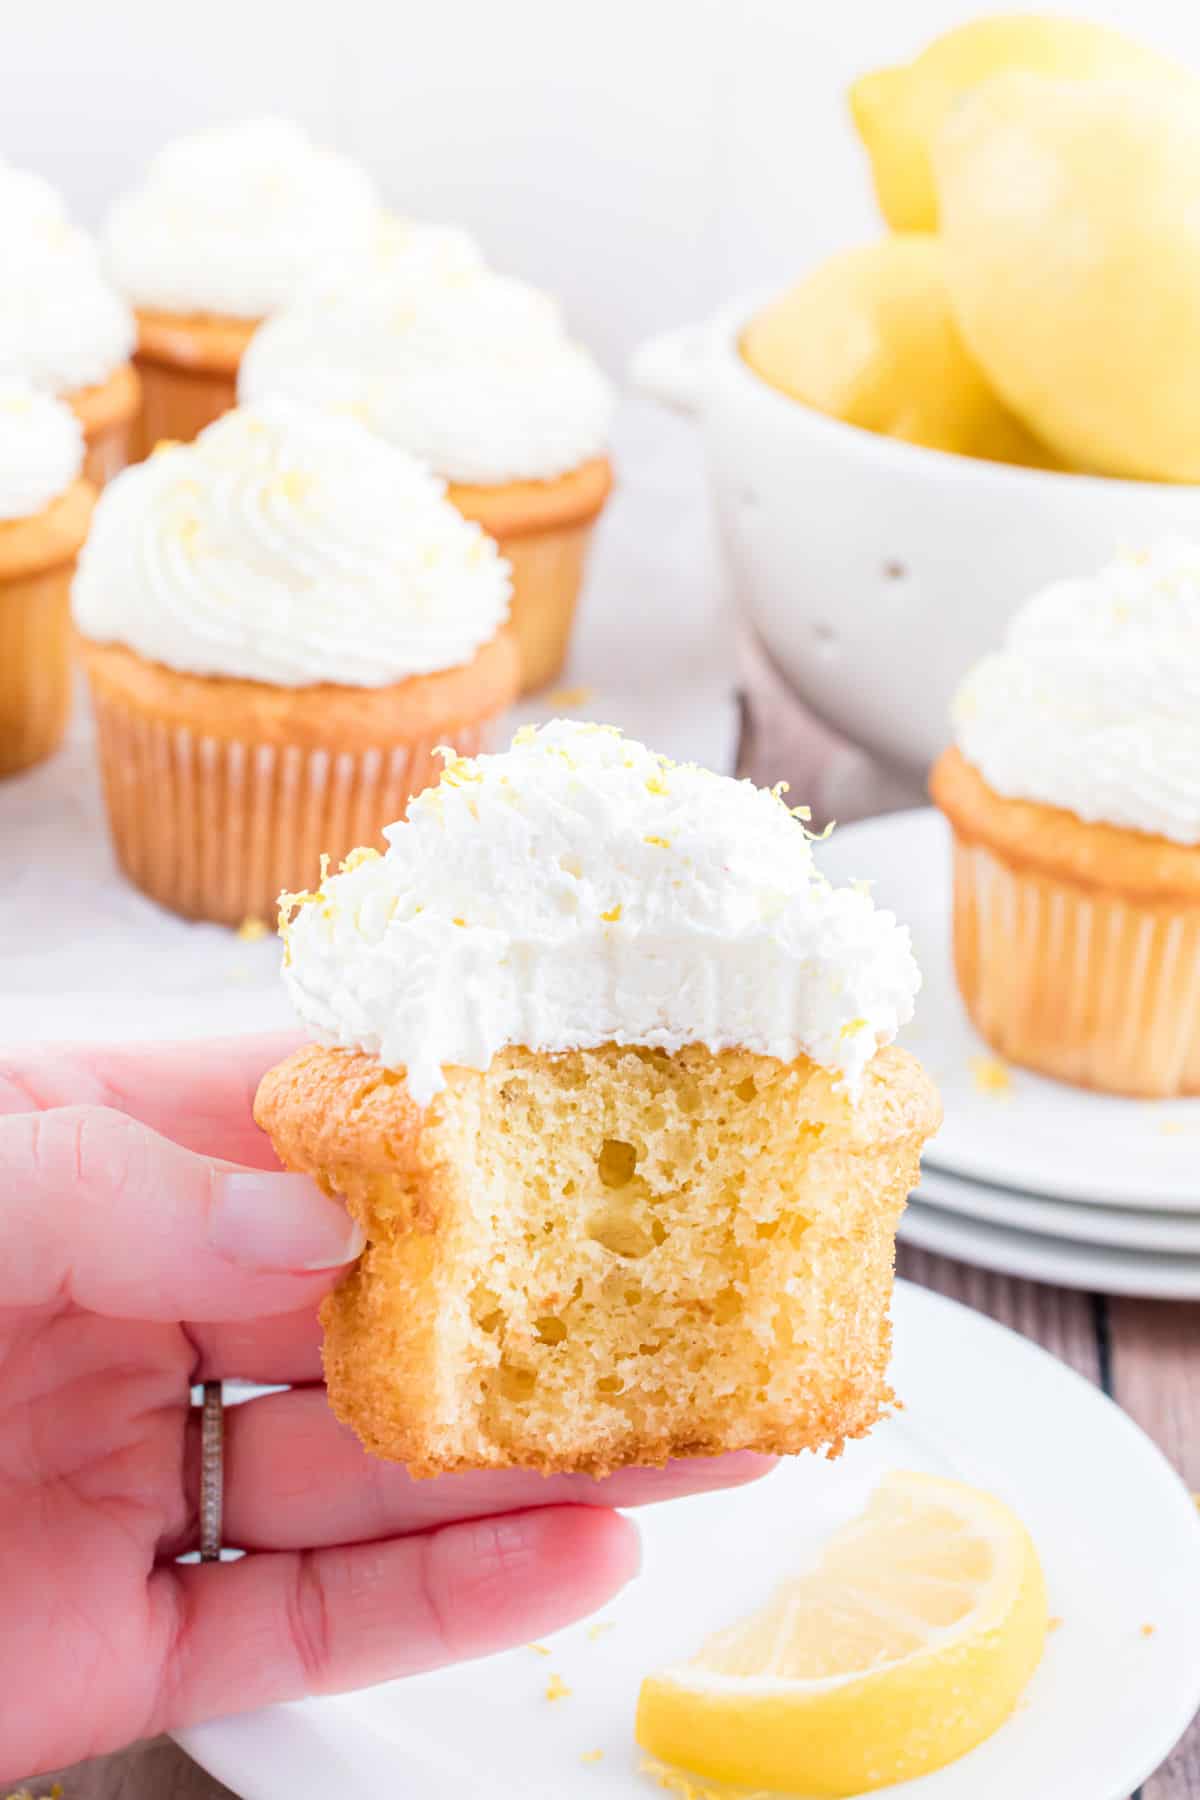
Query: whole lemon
pixel 869 337
pixel 1071 224
pixel 898 112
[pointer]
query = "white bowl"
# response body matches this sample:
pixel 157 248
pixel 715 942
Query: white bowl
pixel 877 572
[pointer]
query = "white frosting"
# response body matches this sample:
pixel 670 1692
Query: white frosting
pixel 473 372
pixel 288 547
pixel 579 890
pixel 401 253
pixel 41 450
pixel 1093 705
pixel 62 327
pixel 234 219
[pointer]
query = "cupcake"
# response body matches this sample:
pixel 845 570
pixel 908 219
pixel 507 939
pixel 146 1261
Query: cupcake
pixel 603 1072
pixel 44 513
pixel 226 226
pixel 280 624
pixel 478 377
pixel 62 327
pixel 1073 795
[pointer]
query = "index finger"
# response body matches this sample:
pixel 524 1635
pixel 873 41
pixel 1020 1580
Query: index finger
pixel 201 1095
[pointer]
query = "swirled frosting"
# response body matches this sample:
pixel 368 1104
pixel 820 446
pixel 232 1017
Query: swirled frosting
pixel 288 547
pixel 234 219
pixel 1093 704
pixel 41 449
pixel 62 327
pixel 400 254
pixel 579 890
pixel 473 373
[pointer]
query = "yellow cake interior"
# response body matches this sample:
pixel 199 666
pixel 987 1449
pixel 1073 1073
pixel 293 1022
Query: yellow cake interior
pixel 608 1255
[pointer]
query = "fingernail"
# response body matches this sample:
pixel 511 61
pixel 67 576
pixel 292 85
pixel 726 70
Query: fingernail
pixel 280 1222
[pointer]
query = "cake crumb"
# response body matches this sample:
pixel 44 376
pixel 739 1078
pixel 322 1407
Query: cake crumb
pixel 592 1756
pixel 557 1689
pixel 1148 1631
pixel 569 697
pixel 991 1076
pixel 251 929
pixel 540 1649
pixel 600 1627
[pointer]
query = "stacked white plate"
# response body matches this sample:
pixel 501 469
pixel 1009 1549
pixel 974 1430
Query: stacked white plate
pixel 1026 1176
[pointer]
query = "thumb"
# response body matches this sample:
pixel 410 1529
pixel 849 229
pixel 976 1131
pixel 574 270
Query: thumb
pixel 103 1211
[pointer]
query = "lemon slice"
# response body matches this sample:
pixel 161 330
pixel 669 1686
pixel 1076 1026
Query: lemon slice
pixel 907 1645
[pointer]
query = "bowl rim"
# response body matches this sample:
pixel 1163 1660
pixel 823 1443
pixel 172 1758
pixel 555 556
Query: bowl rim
pixel 725 330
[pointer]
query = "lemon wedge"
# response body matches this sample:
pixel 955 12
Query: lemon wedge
pixel 908 1644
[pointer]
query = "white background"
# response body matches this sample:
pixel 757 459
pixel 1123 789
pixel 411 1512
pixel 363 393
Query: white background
pixel 646 158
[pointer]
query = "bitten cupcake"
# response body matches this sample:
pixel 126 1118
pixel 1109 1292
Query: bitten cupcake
pixel 62 327
pixel 280 623
pixel 226 226
pixel 44 513
pixel 603 1073
pixel 1073 793
pixel 478 377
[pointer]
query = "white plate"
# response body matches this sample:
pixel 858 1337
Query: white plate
pixel 1058 1261
pixel 1040 1136
pixel 1118 1534
pixel 1173 1233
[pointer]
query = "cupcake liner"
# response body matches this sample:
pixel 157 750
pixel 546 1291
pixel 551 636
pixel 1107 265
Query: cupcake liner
pixel 1090 986
pixel 178 403
pixel 35 665
pixel 547 574
pixel 107 451
pixel 215 827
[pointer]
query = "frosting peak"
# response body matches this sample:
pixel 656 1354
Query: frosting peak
pixel 471 371
pixel 62 327
pixel 287 547
pixel 578 890
pixel 1093 704
pixel 234 219
pixel 41 450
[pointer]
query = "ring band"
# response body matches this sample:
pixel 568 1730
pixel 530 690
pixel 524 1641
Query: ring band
pixel 212 1471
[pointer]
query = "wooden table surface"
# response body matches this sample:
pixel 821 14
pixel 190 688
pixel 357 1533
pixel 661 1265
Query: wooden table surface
pixel 1144 1353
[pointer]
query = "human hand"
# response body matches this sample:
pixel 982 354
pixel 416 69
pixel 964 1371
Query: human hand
pixel 148 1241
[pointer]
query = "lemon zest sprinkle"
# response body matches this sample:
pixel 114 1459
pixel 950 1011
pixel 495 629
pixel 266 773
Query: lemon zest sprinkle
pixel 557 1689
pixel 991 1076
pixel 364 854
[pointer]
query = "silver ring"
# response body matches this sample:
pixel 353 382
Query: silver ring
pixel 212 1471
